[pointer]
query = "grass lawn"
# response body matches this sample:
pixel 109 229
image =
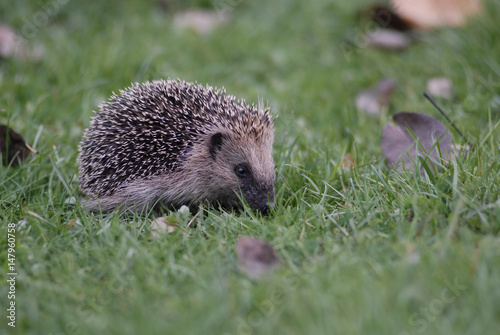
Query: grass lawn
pixel 365 250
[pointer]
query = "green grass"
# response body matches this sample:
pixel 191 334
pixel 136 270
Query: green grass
pixel 364 250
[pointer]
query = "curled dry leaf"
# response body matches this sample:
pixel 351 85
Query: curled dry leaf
pixel 256 258
pixel 428 14
pixel 399 147
pixel 440 87
pixel 388 39
pixel 201 21
pixel 13 147
pixel 375 99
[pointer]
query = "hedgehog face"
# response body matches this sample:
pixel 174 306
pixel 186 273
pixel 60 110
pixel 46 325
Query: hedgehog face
pixel 242 167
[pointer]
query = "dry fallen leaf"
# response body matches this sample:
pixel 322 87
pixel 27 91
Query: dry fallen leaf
pixel 399 147
pixel 428 14
pixel 256 258
pixel 388 39
pixel 440 87
pixel 201 21
pixel 13 147
pixel 375 99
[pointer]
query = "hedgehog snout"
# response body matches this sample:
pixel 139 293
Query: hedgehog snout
pixel 265 209
pixel 260 198
pixel 265 206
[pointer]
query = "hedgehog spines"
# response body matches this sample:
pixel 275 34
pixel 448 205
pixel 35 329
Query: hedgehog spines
pixel 151 129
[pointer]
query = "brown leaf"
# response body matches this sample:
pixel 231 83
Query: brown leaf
pixel 440 87
pixel 13 147
pixel 428 14
pixel 256 258
pixel 201 21
pixel 398 146
pixel 375 99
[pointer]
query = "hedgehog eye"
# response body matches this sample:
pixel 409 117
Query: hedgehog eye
pixel 242 170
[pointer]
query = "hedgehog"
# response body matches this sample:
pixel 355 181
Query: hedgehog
pixel 177 143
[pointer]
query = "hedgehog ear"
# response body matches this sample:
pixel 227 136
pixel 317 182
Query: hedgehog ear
pixel 216 142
